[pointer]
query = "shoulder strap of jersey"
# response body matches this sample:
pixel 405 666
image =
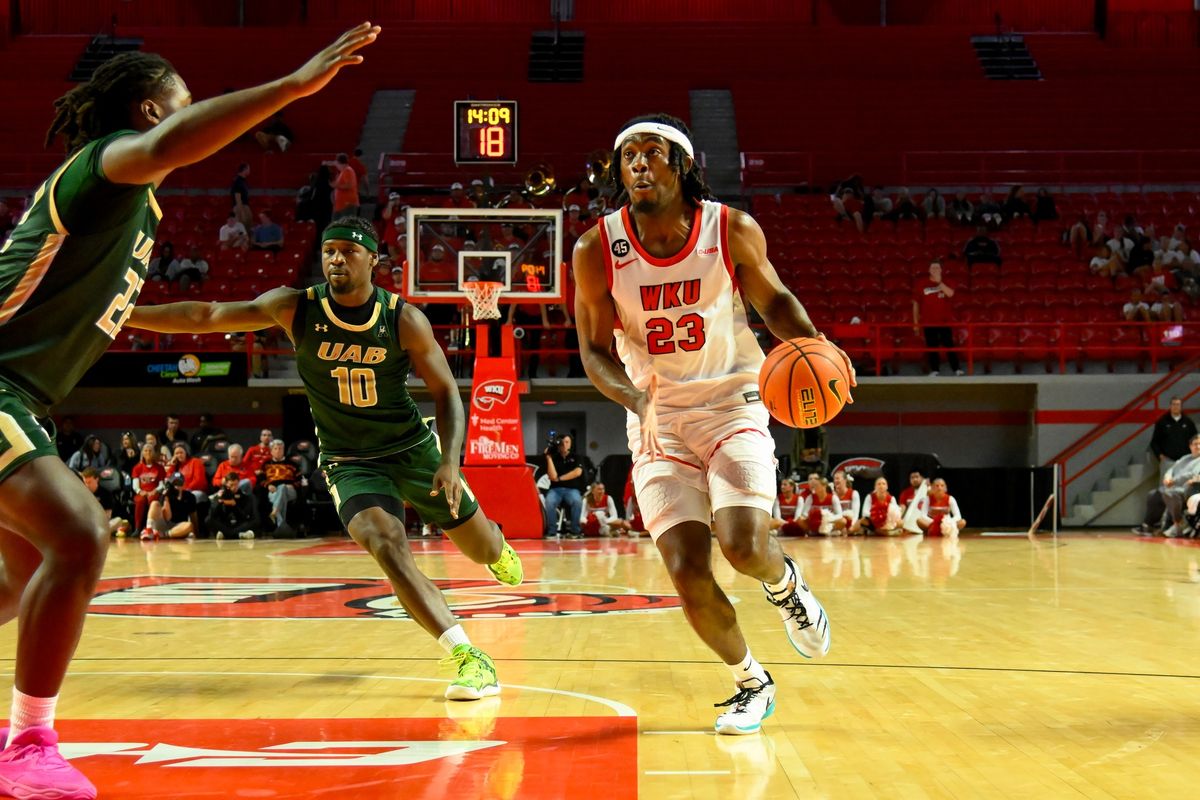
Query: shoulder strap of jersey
pixel 300 318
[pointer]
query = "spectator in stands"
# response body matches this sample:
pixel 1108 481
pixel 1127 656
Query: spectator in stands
pixel 982 249
pixel 345 188
pixel 1140 253
pixel 961 210
pixel 239 194
pixel 821 513
pixel 6 220
pixel 1136 309
pixel 988 213
pixel 360 173
pixel 847 495
pixel 578 223
pixel 195 477
pixel 93 453
pixel 275 135
pixel 395 282
pixel 391 222
pixel 458 197
pixel 875 205
pixel 1178 483
pixel 192 269
pixel 1157 277
pixel 566 481
pixel 268 235
pixel 148 476
pixel 478 193
pixel 172 433
pixel 259 453
pixel 598 515
pixel 1083 235
pixel 939 514
pixel 810 450
pixel 174 513
pixel 314 201
pixel 915 479
pixel 67 440
pixel 515 199
pixel 1015 204
pixel 159 268
pixel 1175 243
pixel 233 235
pixel 1173 432
pixel 128 453
pixel 91 479
pixel 164 454
pixel 933 311
pixel 1164 306
pixel 236 465
pixel 1044 208
pixel 934 205
pixel 880 512
pixel 232 510
pixel 787 507
pixel 282 480
pixel 438 271
pixel 205 434
pixel 904 207
pixel 1106 262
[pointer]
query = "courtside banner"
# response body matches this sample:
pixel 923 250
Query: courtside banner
pixel 167 369
pixel 494 421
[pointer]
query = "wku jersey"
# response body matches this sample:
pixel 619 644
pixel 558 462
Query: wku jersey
pixel 682 317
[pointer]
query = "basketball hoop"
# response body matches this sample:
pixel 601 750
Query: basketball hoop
pixel 484 297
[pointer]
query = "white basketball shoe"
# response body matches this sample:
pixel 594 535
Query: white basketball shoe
pixel 804 619
pixel 754 702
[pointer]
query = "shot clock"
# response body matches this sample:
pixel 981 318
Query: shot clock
pixel 485 132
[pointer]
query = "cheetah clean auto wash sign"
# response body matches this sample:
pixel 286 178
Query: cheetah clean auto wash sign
pixel 167 369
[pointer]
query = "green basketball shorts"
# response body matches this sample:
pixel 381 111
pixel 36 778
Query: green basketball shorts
pixel 22 438
pixel 390 481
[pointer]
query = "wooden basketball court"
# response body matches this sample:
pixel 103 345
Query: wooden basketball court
pixel 986 667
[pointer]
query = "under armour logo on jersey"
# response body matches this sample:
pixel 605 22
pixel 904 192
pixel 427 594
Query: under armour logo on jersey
pixel 321 327
pixel 383 331
pixel 356 236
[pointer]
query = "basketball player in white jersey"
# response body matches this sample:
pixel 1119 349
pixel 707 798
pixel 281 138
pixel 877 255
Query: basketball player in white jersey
pixel 667 273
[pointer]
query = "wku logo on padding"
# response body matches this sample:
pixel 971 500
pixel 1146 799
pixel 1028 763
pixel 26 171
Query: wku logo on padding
pixel 492 392
pixel 286 756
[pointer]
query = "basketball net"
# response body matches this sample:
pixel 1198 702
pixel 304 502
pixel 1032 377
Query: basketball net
pixel 484 297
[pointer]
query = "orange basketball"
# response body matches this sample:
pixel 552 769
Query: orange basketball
pixel 804 382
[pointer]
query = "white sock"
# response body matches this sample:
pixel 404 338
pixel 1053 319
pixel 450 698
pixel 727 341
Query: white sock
pixel 748 669
pixel 453 637
pixel 788 574
pixel 29 712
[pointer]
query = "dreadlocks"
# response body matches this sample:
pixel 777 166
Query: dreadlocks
pixel 692 182
pixel 102 106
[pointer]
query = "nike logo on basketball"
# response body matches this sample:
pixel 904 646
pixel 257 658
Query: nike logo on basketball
pixel 833 382
pixel 623 264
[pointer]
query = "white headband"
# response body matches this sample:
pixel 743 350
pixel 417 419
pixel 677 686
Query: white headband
pixel 658 129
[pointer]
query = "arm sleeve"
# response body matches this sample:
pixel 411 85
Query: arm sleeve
pixel 610 506
pixel 851 510
pixel 954 512
pixel 776 513
pixel 865 511
pixel 836 506
pixel 803 508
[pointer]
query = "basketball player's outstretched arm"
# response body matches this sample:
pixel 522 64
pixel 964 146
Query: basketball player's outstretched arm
pixel 595 316
pixel 781 311
pixel 416 337
pixel 275 307
pixel 201 129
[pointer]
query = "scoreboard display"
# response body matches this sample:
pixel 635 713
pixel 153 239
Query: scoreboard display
pixel 485 132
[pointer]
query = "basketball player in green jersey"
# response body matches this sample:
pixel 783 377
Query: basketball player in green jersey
pixel 69 275
pixel 355 344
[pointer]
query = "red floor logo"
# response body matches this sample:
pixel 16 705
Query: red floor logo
pixel 335 598
pixel 473 753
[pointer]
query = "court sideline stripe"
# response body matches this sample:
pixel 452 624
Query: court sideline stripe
pixel 780 664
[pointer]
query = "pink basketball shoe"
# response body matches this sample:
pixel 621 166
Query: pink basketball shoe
pixel 31 768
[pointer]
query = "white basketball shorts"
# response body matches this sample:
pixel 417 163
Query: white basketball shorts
pixel 715 457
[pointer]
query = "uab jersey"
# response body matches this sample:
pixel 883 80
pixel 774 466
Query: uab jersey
pixel 356 378
pixel 70 273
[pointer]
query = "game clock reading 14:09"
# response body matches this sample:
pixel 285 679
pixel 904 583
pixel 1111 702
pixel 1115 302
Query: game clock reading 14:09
pixel 485 132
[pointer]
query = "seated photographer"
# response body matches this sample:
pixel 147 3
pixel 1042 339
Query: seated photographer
pixel 231 511
pixel 566 486
pixel 173 513
pixel 91 479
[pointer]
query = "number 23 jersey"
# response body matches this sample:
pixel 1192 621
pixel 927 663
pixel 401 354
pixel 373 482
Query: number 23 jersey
pixel 70 274
pixel 681 317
